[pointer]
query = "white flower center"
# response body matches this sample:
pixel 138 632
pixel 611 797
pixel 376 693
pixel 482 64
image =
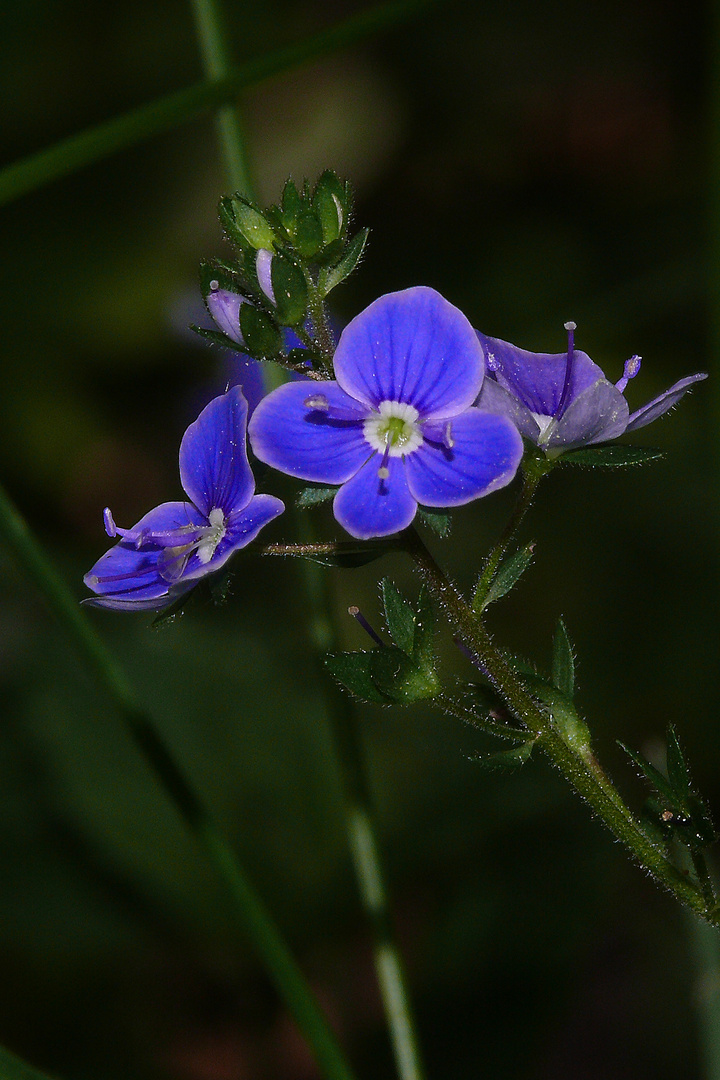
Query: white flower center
pixel 214 533
pixel 394 431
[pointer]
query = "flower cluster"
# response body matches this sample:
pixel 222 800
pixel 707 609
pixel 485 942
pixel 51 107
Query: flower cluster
pixel 423 411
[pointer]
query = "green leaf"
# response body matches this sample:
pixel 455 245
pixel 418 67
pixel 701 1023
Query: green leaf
pixel 314 494
pixel 353 671
pixel 563 662
pixel 330 202
pixel 424 635
pixel 306 234
pixel 656 778
pixel 400 678
pixel 610 457
pixel 330 276
pixel 505 760
pixel 678 774
pixel 252 225
pixel 260 334
pixel 439 523
pixel 290 289
pixel 399 616
pixel 291 206
pixel 508 576
pixel 217 338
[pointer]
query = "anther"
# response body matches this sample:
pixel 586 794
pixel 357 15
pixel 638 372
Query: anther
pixel 358 615
pixel 318 402
pixel 632 367
pixel 110 526
pixel 214 285
pixel 493 363
pixel 383 471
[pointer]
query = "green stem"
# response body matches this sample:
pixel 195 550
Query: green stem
pixel 575 762
pixel 364 849
pixel 166 113
pixel 705 942
pixel 215 49
pixel 530 483
pixel 263 934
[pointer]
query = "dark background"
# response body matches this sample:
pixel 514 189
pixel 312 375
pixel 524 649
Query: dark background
pixel 535 163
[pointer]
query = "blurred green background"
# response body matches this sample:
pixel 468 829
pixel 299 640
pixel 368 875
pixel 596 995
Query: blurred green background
pixel 534 163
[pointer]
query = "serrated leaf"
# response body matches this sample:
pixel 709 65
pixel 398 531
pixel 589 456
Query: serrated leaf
pixel 563 662
pixel 611 457
pixel 678 774
pixel 331 276
pixel 353 671
pixel 507 576
pixel 505 760
pixel 314 494
pixel 438 522
pixel 399 616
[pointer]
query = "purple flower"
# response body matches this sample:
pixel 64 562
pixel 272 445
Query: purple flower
pixel 397 428
pixel 178 542
pixel 560 401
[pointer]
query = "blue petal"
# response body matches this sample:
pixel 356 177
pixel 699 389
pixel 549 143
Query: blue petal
pixel 537 379
pixel 306 442
pixel 663 402
pixel 485 455
pixel 495 399
pixel 413 347
pixel 127 577
pixel 599 414
pixel 242 527
pixel 214 467
pixel 367 506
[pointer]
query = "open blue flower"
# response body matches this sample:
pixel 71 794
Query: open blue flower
pixel 397 428
pixel 178 542
pixel 560 401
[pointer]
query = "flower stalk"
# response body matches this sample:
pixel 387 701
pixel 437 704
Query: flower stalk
pixel 577 764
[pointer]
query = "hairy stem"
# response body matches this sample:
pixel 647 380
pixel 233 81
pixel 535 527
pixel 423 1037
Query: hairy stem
pixel 576 763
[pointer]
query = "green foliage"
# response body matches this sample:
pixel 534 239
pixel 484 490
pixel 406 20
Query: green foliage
pixel 610 457
pixel 505 579
pixel 260 333
pixel 400 673
pixel 563 662
pixel 290 289
pixel 313 495
pixel 440 523
pixel 506 760
pixel 330 276
pixel 680 813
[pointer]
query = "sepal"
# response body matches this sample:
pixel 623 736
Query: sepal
pixel 563 662
pixel 505 760
pixel 290 289
pixel 331 276
pixel 260 332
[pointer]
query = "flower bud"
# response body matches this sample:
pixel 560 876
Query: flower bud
pixel 224 306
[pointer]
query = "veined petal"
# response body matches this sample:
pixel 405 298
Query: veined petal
pixel 214 467
pixel 537 379
pixel 310 443
pixel 484 456
pixel 496 399
pixel 414 347
pixel 368 506
pixel 598 414
pixel 241 527
pixel 663 402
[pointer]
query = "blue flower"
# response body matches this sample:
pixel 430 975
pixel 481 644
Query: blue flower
pixel 560 401
pixel 397 428
pixel 179 542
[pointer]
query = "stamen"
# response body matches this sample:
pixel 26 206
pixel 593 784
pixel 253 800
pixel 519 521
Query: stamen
pixel 571 327
pixel 632 367
pixel 318 402
pixel 358 615
pixel 383 471
pixel 214 285
pixel 448 440
pixel 110 526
